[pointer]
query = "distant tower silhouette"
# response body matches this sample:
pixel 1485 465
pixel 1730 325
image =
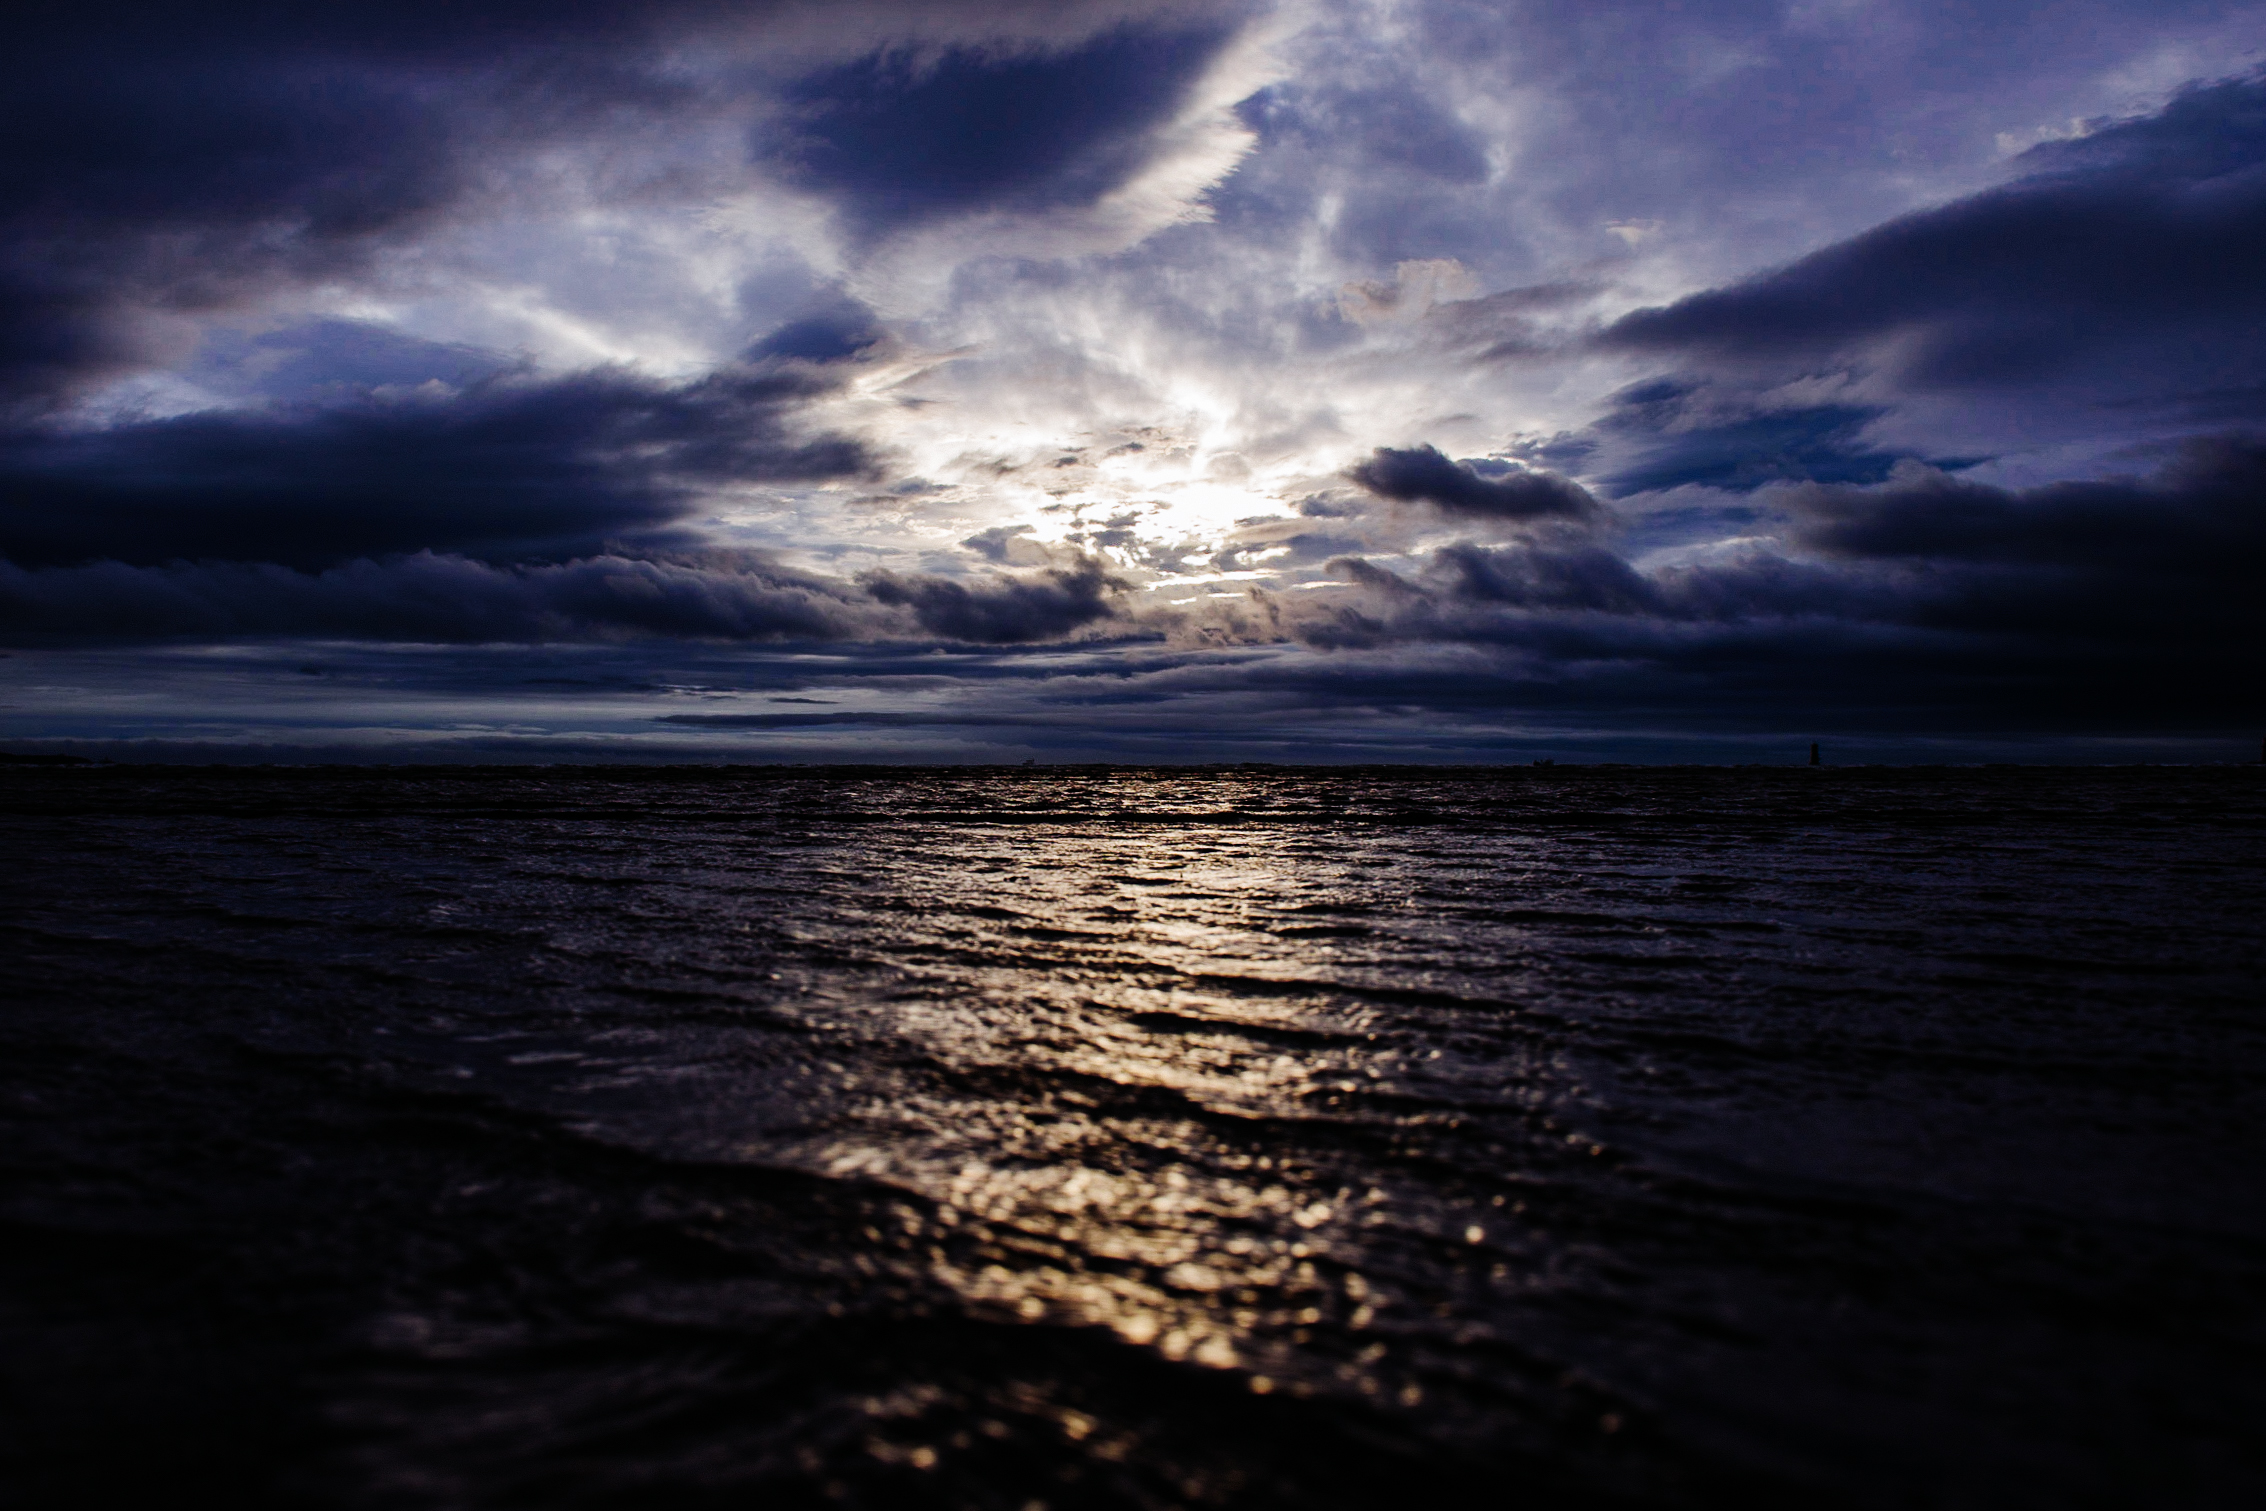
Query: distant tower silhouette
pixel 1814 761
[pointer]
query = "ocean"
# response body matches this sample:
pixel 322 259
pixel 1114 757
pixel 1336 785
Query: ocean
pixel 1064 1137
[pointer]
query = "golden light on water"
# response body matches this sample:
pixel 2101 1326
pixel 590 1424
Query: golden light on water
pixel 1175 1230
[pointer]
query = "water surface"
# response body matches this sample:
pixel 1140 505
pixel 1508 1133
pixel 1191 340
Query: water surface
pixel 1135 1138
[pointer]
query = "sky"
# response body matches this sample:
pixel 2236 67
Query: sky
pixel 1328 380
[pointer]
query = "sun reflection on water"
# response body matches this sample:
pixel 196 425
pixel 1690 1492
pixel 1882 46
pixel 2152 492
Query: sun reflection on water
pixel 1124 1045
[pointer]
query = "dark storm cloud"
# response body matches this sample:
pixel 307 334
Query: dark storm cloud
pixel 510 468
pixel 1457 488
pixel 1003 610
pixel 164 161
pixel 2074 605
pixel 2136 244
pixel 873 718
pixel 134 188
pixel 432 598
pixel 2174 561
pixel 1581 577
pixel 405 30
pixel 689 595
pixel 897 138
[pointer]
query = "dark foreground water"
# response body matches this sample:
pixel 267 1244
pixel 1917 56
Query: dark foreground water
pixel 1571 1137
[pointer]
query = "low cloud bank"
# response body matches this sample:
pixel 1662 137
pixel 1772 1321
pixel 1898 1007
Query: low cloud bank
pixel 1002 610
pixel 508 469
pixel 1931 599
pixel 433 597
pixel 2115 602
